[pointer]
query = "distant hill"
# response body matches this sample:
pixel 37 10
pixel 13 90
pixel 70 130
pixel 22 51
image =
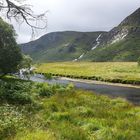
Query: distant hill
pixel 60 46
pixel 122 43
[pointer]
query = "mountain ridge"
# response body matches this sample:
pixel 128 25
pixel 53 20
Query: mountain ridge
pixel 62 46
pixel 122 43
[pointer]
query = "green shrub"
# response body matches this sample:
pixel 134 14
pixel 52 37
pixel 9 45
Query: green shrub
pixel 49 90
pixel 48 76
pixel 11 120
pixel 45 90
pixel 16 92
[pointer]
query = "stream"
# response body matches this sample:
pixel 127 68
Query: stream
pixel 132 94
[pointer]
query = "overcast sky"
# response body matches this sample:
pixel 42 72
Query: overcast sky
pixel 79 15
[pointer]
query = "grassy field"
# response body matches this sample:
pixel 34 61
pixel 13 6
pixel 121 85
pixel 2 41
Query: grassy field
pixel 35 111
pixel 118 72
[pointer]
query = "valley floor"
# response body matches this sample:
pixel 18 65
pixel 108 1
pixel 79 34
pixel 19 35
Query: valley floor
pixel 115 72
pixel 38 111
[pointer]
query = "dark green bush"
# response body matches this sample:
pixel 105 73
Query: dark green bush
pixel 16 92
pixel 49 90
pixel 45 90
pixel 48 76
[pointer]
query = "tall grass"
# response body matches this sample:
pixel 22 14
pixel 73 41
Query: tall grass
pixel 63 113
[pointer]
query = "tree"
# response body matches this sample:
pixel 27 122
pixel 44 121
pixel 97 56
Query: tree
pixel 25 67
pixel 10 54
pixel 26 62
pixel 21 12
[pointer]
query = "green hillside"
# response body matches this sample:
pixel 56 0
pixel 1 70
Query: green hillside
pixel 60 46
pixel 124 50
pixel 122 43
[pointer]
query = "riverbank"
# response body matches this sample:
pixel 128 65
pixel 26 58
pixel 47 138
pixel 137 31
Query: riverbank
pixel 112 72
pixel 99 82
pixel 129 93
pixel 32 110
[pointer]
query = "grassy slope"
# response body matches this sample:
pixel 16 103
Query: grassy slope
pixel 108 71
pixel 125 50
pixel 62 113
pixel 52 47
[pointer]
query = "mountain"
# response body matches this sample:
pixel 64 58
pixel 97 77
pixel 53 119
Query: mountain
pixel 60 46
pixel 122 43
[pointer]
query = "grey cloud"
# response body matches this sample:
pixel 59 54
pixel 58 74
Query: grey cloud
pixel 80 15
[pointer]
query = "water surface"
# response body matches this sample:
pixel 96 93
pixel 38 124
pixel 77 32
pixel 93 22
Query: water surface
pixel 129 93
